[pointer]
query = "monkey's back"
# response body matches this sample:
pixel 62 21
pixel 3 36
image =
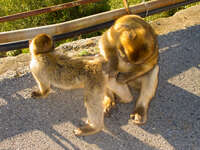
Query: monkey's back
pixel 69 72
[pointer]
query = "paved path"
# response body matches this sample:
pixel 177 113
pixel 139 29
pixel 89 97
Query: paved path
pixel 174 116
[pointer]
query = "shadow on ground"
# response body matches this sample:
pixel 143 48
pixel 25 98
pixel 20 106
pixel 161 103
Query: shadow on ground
pixel 174 113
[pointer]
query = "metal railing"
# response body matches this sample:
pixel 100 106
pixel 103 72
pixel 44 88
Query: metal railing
pixel 96 22
pixel 46 10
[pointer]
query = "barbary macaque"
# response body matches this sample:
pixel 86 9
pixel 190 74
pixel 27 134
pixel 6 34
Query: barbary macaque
pixel 130 49
pixel 49 67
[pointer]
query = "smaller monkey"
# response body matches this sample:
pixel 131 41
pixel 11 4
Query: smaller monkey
pixel 130 49
pixel 51 68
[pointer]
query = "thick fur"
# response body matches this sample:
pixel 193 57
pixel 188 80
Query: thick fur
pixel 51 68
pixel 130 49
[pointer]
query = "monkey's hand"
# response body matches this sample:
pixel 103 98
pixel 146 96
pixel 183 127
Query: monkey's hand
pixel 108 104
pixel 110 71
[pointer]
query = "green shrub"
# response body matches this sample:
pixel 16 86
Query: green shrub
pixel 13 52
pixel 25 50
pixel 84 53
pixel 9 7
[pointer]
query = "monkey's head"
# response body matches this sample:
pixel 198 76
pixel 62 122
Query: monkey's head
pixel 41 43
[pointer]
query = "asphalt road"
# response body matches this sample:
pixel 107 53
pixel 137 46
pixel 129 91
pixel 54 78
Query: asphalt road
pixel 174 115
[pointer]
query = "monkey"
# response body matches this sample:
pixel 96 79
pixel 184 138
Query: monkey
pixel 50 68
pixel 130 49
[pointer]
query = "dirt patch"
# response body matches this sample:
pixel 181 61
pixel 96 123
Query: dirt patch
pixel 181 20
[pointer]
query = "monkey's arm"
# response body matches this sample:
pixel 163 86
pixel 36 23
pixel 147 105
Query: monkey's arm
pixel 111 65
pixel 108 50
pixel 136 72
pixel 124 77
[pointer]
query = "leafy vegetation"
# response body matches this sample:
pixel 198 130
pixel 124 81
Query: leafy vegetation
pixel 83 53
pixel 9 7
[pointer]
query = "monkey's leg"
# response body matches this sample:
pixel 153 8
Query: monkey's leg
pixel 121 90
pixel 149 84
pixel 95 112
pixel 44 87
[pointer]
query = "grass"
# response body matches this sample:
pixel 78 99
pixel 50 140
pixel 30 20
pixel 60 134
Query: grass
pixel 8 7
pixel 84 53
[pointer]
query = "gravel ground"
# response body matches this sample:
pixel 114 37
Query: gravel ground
pixel 174 116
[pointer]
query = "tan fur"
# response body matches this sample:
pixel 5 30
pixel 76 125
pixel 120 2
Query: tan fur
pixel 130 49
pixel 51 68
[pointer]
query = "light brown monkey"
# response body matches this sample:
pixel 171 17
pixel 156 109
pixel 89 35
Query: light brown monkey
pixel 48 67
pixel 130 49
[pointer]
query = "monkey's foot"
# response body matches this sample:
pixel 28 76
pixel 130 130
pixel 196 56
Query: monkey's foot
pixel 36 94
pixel 108 104
pixel 86 130
pixel 139 116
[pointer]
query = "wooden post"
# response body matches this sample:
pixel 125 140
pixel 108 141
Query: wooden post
pixel 82 23
pixel 127 6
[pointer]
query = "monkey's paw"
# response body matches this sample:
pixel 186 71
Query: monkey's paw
pixel 139 116
pixel 86 130
pixel 108 104
pixel 36 94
